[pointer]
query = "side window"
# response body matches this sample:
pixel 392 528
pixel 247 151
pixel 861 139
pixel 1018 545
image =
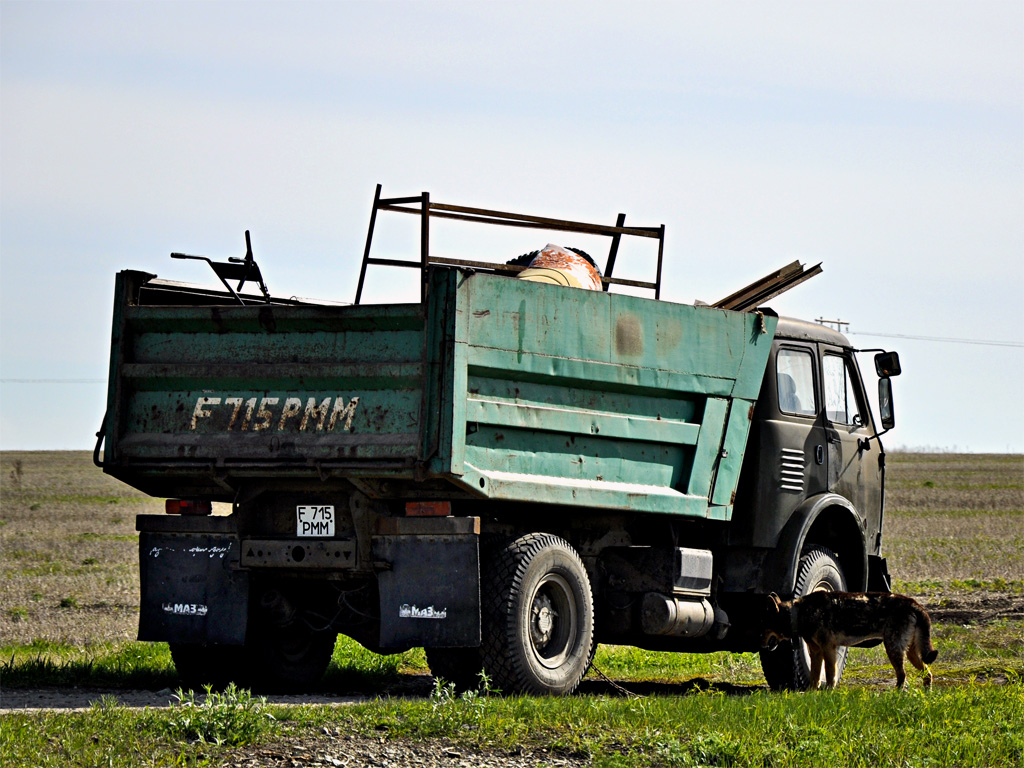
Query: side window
pixel 795 372
pixel 840 397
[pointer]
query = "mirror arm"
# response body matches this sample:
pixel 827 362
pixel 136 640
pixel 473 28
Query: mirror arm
pixel 864 443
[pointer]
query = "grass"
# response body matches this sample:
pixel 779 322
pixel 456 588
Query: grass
pixel 974 724
pixel 954 538
pixel 70 558
pixel 149 666
pixel 127 665
pixel 851 727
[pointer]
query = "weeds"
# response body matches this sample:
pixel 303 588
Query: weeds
pixel 17 613
pixel 231 717
pixel 452 711
pixel 17 472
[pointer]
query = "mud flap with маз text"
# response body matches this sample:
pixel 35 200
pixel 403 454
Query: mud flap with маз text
pixel 192 591
pixel 429 583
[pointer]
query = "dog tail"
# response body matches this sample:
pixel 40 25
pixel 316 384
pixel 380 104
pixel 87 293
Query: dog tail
pixel 924 638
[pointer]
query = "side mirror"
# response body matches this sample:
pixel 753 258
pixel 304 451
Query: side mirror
pixel 887 364
pixel 885 409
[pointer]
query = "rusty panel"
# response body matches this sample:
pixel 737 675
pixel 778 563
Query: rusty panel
pixel 258 384
pixel 603 400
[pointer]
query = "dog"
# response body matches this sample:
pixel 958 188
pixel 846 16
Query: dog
pixel 828 620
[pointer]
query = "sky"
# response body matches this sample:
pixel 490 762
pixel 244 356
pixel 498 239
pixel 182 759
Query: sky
pixel 882 139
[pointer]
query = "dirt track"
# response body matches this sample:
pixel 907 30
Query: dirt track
pixel 976 608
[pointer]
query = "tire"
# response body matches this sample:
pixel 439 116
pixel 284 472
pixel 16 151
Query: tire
pixel 788 667
pixel 288 657
pixel 288 660
pixel 206 665
pixel 538 616
pixel 461 666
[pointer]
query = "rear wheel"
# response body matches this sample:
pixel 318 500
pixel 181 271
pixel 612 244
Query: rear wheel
pixel 284 652
pixel 788 667
pixel 538 616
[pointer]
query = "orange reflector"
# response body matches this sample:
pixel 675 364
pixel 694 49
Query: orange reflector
pixel 188 507
pixel 428 508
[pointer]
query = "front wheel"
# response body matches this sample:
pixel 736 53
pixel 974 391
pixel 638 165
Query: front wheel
pixel 788 667
pixel 538 616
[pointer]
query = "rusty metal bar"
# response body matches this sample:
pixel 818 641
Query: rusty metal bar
pixel 369 239
pixel 661 247
pixel 531 222
pixel 734 299
pixel 543 220
pixel 633 283
pixel 768 287
pixel 394 263
pixel 402 200
pixel 424 242
pixel 514 268
pixel 787 284
pixel 614 250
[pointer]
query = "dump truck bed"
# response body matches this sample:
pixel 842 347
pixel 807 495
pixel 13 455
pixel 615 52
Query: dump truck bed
pixel 494 387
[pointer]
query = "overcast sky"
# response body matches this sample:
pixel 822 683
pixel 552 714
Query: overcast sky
pixel 885 140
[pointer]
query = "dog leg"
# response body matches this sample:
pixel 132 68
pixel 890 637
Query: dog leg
pixel 817 657
pixel 830 666
pixel 895 654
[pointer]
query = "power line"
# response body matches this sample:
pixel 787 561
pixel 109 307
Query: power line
pixel 53 381
pixel 946 339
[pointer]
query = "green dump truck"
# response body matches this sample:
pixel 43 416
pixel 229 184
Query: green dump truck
pixel 505 473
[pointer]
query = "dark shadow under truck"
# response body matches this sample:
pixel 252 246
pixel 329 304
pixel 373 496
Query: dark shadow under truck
pixel 505 473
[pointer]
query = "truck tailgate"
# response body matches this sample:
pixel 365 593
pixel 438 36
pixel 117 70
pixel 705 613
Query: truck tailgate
pixel 199 392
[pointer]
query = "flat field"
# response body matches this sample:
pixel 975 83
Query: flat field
pixel 954 539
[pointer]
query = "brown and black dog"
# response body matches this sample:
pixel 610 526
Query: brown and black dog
pixel 828 620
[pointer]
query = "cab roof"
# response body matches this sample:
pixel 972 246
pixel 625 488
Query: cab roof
pixel 802 330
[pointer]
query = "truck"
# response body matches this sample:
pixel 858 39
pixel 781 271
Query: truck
pixel 506 473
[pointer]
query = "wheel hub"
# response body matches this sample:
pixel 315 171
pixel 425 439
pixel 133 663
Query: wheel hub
pixel 552 618
pixel 542 621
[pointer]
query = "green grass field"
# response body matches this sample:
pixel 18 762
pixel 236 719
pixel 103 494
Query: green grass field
pixel 954 538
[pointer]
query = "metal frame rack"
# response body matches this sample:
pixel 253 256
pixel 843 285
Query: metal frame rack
pixel 420 205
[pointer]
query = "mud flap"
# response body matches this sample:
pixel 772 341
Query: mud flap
pixel 878 575
pixel 191 592
pixel 429 589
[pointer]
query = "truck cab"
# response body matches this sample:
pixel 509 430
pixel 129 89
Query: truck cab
pixel 811 493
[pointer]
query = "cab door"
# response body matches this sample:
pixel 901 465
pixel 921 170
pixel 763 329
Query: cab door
pixel 853 466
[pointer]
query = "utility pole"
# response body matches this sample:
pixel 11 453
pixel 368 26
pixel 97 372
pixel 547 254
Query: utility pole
pixel 839 325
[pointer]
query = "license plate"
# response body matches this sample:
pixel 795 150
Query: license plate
pixel 314 520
